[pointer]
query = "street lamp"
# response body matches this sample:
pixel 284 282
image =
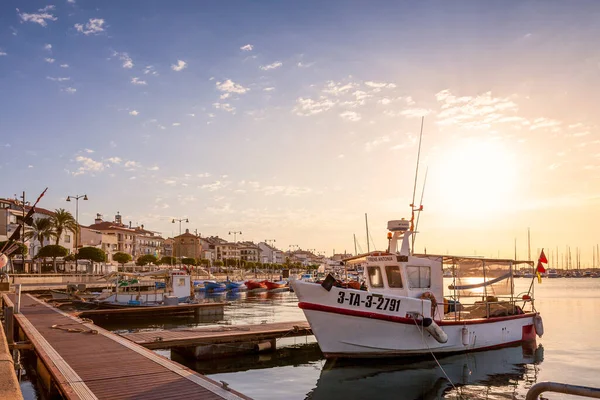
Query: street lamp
pixel 77 197
pixel 235 233
pixel 269 243
pixel 180 220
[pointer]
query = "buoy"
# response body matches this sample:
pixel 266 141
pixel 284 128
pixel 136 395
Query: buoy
pixel 539 325
pixel 465 336
pixel 434 330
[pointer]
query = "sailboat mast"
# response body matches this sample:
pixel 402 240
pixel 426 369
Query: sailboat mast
pixel 412 205
pixel 355 252
pixel 515 249
pixel 528 245
pixel 367 225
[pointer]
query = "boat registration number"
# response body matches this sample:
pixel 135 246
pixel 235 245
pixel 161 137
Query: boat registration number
pixel 369 301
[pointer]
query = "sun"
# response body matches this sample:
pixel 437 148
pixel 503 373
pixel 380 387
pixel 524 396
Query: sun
pixel 474 178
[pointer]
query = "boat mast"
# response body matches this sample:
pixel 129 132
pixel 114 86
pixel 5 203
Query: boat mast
pixel 420 209
pixel 528 245
pixel 412 205
pixel 355 252
pixel 367 225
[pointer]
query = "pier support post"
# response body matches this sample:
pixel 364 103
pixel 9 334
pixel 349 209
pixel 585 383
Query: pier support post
pixel 17 298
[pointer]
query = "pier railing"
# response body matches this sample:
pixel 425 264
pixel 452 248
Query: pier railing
pixel 564 388
pixel 9 386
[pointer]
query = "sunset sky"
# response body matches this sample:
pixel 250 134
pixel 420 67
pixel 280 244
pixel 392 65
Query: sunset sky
pixel 291 120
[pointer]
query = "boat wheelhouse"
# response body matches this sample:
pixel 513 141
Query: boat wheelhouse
pixel 406 310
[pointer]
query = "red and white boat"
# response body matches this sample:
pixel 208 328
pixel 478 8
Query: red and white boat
pixel 253 285
pixel 275 285
pixel 403 312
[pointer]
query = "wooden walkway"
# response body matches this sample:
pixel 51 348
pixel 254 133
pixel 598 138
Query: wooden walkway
pixel 219 335
pixel 88 362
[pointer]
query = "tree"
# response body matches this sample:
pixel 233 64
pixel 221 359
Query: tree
pixel 63 220
pixel 40 230
pixel 231 262
pixel 205 262
pixel 146 259
pixel 70 257
pixel 121 258
pixel 250 265
pixel 188 261
pixel 93 254
pixel 167 260
pixel 53 251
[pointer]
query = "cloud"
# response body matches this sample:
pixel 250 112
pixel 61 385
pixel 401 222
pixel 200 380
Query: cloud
pixel 247 47
pixel 306 107
pixel 88 150
pixel 212 187
pixel 58 79
pixel 370 146
pixel 415 112
pixel 350 116
pixel 71 1
pixel 231 87
pixel 132 165
pixel 154 168
pixel 138 81
pixel 337 88
pixel 2 53
pixel 303 65
pixel 88 165
pixel 150 70
pixel 114 160
pixel 64 65
pixel 380 85
pixel 542 122
pixel 40 18
pixel 268 89
pixel 176 124
pixel 224 96
pixel 224 106
pixel 127 61
pixel 135 113
pixel 69 90
pixel 49 60
pixel 179 66
pixel 93 27
pixel 48 46
pixel 274 65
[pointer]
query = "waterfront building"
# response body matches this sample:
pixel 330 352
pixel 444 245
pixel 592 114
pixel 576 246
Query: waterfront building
pixel 125 234
pixel 270 254
pixel 249 251
pixel 186 245
pixel 147 242
pixel 107 241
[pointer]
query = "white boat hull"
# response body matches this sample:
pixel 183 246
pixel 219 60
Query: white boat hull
pixel 357 328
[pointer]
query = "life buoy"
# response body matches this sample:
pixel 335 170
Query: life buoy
pixel 431 297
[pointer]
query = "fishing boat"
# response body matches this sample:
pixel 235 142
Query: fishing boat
pixel 212 286
pixel 275 285
pixel 403 311
pixel 239 286
pixel 253 285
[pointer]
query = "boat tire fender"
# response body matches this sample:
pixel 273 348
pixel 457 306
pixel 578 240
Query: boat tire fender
pixel 539 325
pixel 434 330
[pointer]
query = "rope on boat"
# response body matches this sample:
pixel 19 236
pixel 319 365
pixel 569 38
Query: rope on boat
pixel 433 355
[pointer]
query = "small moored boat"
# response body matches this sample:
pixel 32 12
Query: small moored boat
pixel 253 285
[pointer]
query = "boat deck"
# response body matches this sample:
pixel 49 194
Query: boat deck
pixel 219 335
pixel 88 362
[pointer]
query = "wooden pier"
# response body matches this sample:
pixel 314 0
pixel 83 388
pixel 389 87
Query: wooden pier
pixel 222 341
pixel 80 360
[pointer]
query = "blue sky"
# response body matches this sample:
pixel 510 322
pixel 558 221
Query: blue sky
pixel 291 120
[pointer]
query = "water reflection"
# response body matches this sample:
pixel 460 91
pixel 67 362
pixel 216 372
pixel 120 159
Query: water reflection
pixel 472 374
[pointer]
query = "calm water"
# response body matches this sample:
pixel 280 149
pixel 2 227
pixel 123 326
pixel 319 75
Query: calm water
pixel 568 352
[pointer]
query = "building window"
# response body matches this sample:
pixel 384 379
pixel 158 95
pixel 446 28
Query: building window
pixel 67 239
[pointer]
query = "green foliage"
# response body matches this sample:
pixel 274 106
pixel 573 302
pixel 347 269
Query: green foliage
pixel 93 254
pixel 218 263
pixel 40 230
pixel 121 257
pixel 167 260
pixel 188 261
pixel 231 262
pixel 146 259
pixel 205 261
pixel 22 250
pixel 250 265
pixel 63 220
pixel 53 250
pixel 70 257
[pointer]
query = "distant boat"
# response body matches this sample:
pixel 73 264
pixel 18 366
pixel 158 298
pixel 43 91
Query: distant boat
pixel 212 286
pixel 231 285
pixel 275 285
pixel 252 285
pixel 553 274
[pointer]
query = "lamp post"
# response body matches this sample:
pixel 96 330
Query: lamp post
pixel 180 220
pixel 77 197
pixel 235 233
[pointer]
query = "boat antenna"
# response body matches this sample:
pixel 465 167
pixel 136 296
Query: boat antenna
pixel 412 205
pixel 414 236
pixel 367 225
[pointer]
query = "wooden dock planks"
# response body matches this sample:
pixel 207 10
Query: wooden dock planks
pixel 102 365
pixel 218 335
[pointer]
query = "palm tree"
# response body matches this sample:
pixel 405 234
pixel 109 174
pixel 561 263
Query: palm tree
pixel 63 220
pixel 40 230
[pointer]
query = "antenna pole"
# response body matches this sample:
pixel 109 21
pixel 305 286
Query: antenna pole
pixel 412 205
pixel 419 214
pixel 367 224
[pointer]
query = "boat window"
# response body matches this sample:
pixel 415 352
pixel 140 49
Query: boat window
pixel 419 277
pixel 394 276
pixel 375 278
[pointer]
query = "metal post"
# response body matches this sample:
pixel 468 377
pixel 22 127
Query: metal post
pixel 542 387
pixel 18 298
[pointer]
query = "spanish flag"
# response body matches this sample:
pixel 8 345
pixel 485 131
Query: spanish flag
pixel 540 266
